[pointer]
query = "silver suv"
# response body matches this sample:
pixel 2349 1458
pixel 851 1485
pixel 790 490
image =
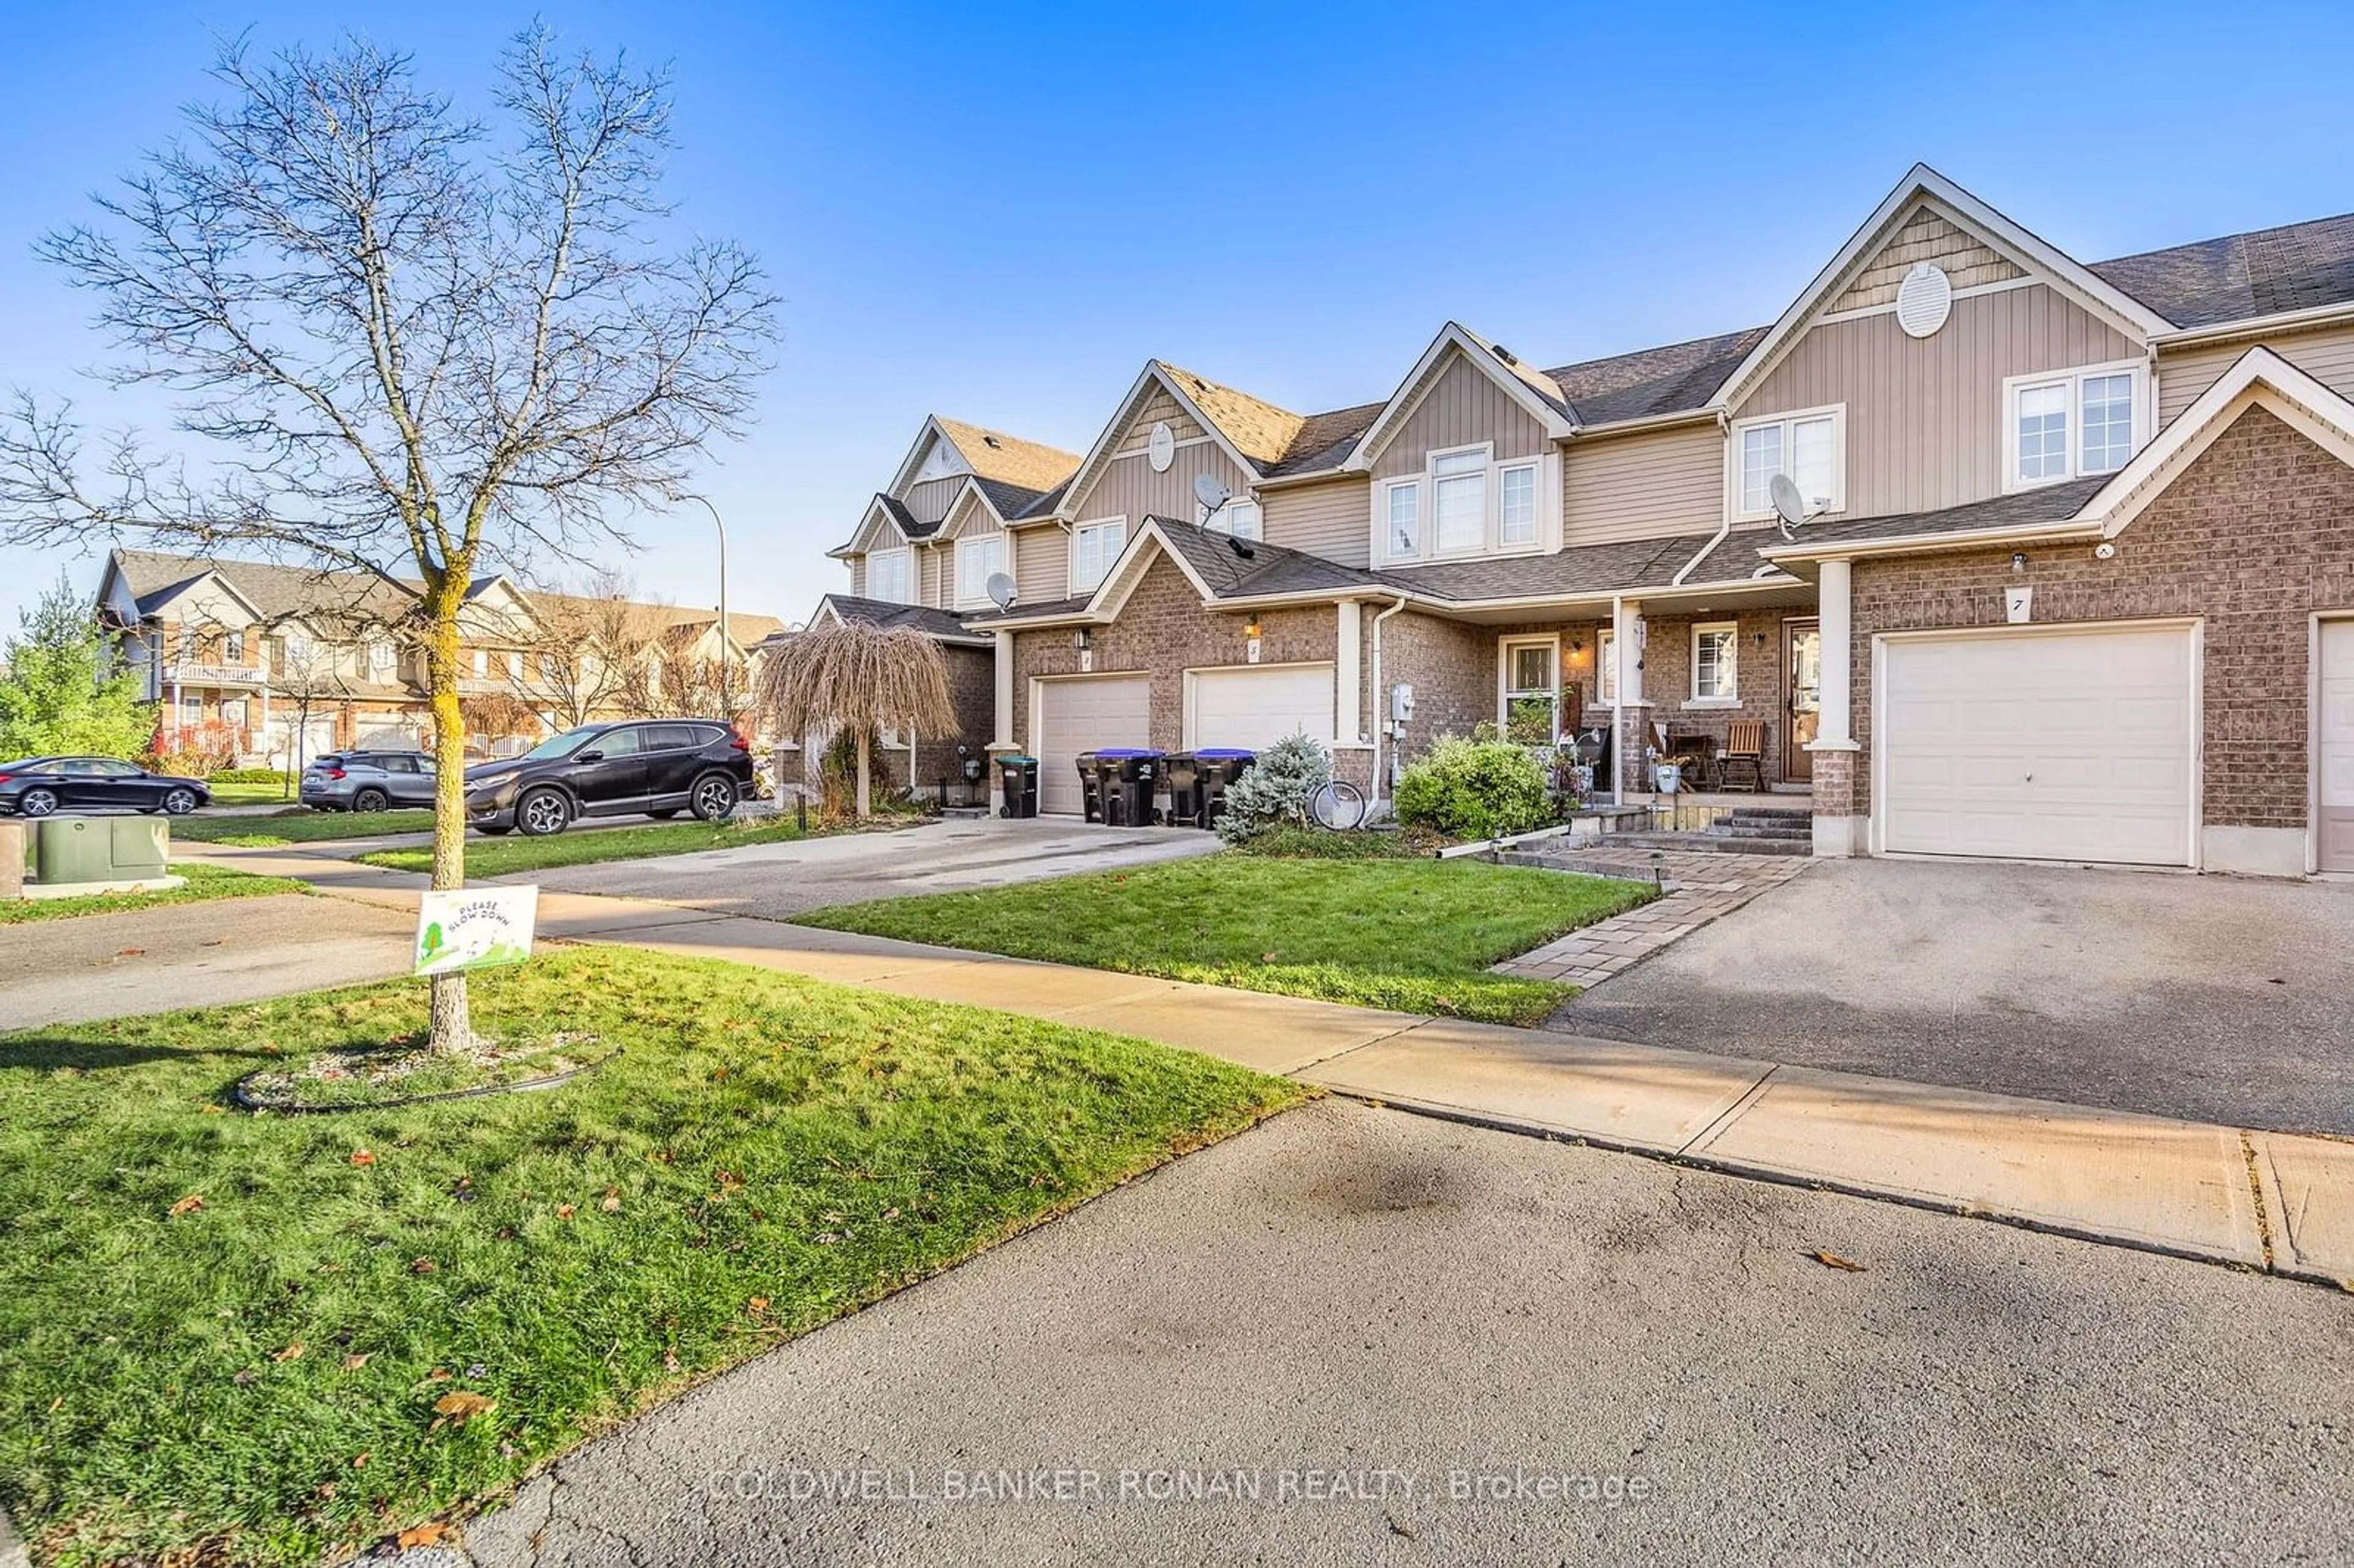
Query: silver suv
pixel 368 781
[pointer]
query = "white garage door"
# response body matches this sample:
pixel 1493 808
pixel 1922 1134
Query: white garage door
pixel 2043 745
pixel 1254 708
pixel 2336 769
pixel 1086 715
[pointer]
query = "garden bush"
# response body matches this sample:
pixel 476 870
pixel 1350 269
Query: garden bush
pixel 1475 788
pixel 246 776
pixel 1276 790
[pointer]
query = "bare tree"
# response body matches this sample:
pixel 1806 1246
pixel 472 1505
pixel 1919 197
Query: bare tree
pixel 403 349
pixel 860 678
pixel 587 646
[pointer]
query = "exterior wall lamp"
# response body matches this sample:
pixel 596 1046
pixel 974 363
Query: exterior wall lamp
pixel 2018 560
pixel 1080 640
pixel 1250 629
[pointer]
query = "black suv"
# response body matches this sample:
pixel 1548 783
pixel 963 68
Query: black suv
pixel 658 767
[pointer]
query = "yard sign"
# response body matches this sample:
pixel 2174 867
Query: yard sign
pixel 475 927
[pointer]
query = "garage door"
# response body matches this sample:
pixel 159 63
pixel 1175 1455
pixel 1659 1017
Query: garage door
pixel 1085 716
pixel 2043 745
pixel 2335 716
pixel 1256 708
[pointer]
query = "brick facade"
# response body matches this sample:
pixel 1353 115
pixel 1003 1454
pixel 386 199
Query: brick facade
pixel 2255 536
pixel 971 673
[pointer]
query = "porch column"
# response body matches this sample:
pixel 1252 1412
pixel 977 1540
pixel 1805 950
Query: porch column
pixel 1347 682
pixel 1001 724
pixel 1841 827
pixel 1628 734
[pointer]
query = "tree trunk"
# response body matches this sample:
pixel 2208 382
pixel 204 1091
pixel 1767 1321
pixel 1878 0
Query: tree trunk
pixel 865 796
pixel 451 1028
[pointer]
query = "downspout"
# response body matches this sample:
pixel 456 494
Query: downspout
pixel 1381 699
pixel 1723 529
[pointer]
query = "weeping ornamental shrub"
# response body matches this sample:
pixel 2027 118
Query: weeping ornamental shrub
pixel 1475 788
pixel 1276 790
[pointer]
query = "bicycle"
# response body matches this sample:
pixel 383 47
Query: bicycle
pixel 1338 805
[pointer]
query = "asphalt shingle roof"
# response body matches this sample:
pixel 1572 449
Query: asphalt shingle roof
pixel 882 612
pixel 1002 459
pixel 2260 273
pixel 2049 503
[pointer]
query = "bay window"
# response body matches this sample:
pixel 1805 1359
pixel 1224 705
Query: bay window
pixel 977 560
pixel 887 576
pixel 1095 547
pixel 2073 424
pixel 1809 445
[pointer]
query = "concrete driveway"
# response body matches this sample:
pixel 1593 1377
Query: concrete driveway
pixel 1361 1316
pixel 2215 998
pixel 779 880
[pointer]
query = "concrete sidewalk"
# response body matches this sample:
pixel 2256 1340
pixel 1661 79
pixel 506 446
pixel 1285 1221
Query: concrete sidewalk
pixel 2264 1201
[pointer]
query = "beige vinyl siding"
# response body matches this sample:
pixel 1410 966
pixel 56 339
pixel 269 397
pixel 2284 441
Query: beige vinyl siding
pixel 1924 416
pixel 1639 486
pixel 1462 407
pixel 858 577
pixel 931 500
pixel 1333 520
pixel 2327 357
pixel 932 573
pixel 1042 563
pixel 1127 486
pixel 970 520
pixel 1927 235
pixel 1159 407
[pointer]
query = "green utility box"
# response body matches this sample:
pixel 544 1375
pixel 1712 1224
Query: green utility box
pixel 88 854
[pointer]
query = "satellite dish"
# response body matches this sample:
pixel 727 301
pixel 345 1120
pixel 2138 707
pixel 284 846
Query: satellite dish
pixel 1788 504
pixel 1001 590
pixel 1210 493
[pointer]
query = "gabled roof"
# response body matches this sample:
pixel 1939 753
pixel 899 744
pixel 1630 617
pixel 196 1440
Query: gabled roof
pixel 1650 382
pixel 2265 272
pixel 1005 459
pixel 1533 390
pixel 1324 442
pixel 273 592
pixel 852 609
pixel 1920 184
pixel 893 511
pixel 1253 433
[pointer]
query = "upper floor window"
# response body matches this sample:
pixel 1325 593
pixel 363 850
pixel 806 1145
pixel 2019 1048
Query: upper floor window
pixel 887 576
pixel 1476 503
pixel 977 560
pixel 233 648
pixel 482 662
pixel 1808 445
pixel 380 655
pixel 515 665
pixel 2073 424
pixel 1095 547
pixel 1240 517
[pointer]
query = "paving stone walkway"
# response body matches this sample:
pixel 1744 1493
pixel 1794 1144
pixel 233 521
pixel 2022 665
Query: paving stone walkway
pixel 1699 887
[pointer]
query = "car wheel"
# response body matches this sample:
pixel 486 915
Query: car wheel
pixel 714 797
pixel 665 814
pixel 179 802
pixel 543 811
pixel 370 801
pixel 37 802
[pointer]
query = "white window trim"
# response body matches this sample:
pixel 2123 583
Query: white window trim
pixel 903 554
pixel 2074 379
pixel 977 594
pixel 1536 496
pixel 1222 522
pixel 1111 564
pixel 1604 667
pixel 1505 648
pixel 1836 413
pixel 1491 523
pixel 1692 698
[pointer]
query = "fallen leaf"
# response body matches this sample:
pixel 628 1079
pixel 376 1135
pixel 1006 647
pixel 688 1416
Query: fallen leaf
pixel 215 1110
pixel 757 1306
pixel 423 1535
pixel 564 1211
pixel 423 1266
pixel 242 1378
pixel 360 1459
pixel 354 1363
pixel 1833 1260
pixel 362 1157
pixel 327 1491
pixel 189 1205
pixel 612 1200
pixel 293 1352
pixel 890 1214
pixel 439 1375
pixel 461 1406
pixel 130 952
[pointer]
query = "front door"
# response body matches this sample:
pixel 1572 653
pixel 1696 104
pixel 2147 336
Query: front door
pixel 1802 696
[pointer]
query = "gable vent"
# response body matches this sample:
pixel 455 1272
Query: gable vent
pixel 1924 300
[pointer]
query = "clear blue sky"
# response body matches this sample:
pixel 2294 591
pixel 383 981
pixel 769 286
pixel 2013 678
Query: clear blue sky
pixel 999 212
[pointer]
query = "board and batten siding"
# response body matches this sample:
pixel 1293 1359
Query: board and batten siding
pixel 931 500
pixel 1643 486
pixel 1127 486
pixel 1333 520
pixel 1924 416
pixel 931 568
pixel 2327 357
pixel 1462 406
pixel 1042 563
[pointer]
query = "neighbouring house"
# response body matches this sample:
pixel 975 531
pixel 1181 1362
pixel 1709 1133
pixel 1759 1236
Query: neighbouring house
pixel 2073 578
pixel 279 664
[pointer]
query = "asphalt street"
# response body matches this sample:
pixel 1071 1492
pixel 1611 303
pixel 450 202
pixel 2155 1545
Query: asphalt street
pixel 1357 1335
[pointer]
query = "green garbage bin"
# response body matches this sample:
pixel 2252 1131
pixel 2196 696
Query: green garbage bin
pixel 72 849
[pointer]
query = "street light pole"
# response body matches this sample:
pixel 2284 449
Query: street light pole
pixel 727 632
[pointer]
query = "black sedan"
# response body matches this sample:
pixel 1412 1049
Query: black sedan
pixel 38 785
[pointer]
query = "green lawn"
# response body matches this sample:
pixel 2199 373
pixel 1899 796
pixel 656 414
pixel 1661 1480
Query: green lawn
pixel 271 1371
pixel 205 881
pixel 298 826
pixel 1414 934
pixel 505 857
pixel 238 792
